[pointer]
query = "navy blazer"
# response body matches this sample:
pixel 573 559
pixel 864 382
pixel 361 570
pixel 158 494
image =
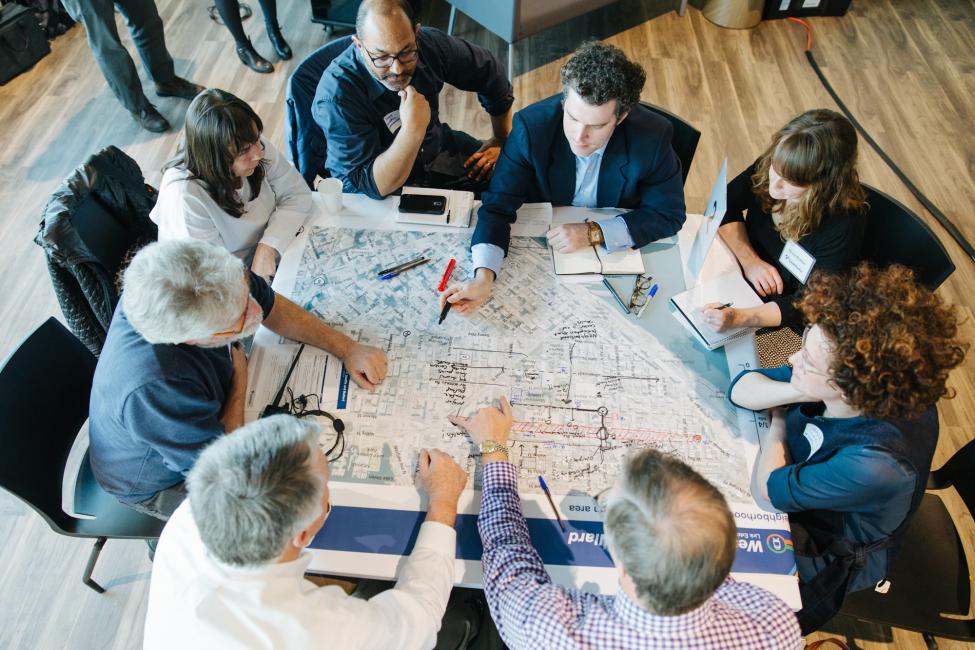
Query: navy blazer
pixel 639 171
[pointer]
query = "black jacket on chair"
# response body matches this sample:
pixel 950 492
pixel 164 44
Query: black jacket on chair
pixel 91 225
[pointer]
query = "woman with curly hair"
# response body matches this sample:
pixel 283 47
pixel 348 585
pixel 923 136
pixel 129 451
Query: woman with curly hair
pixel 804 189
pixel 854 426
pixel 230 186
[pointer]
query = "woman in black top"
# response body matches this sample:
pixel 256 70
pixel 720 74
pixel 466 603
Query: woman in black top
pixel 804 188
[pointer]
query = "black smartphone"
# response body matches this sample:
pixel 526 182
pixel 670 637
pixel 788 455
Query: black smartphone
pixel 423 203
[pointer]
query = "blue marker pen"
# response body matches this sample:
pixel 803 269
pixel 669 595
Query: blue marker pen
pixel 548 494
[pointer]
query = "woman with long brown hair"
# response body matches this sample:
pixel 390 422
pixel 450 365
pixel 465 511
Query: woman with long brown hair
pixel 230 186
pixel 854 426
pixel 803 195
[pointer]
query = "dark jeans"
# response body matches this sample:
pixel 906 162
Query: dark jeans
pixel 466 623
pixel 161 505
pixel 142 17
pixel 447 170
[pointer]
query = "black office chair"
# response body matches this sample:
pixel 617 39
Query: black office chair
pixel 685 139
pixel 930 575
pixel 44 390
pixel 92 225
pixel 304 139
pixel 894 234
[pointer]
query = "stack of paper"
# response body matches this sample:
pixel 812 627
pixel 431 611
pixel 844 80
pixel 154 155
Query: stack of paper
pixel 728 288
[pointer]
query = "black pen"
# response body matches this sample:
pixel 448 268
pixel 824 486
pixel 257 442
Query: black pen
pixel 616 295
pixel 399 267
pixel 443 312
pixel 724 306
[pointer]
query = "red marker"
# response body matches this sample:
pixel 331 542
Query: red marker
pixel 446 274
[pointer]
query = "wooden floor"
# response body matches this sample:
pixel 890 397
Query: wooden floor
pixel 905 67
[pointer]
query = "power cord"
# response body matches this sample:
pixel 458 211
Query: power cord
pixel 939 216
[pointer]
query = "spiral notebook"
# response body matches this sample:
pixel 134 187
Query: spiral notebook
pixel 728 288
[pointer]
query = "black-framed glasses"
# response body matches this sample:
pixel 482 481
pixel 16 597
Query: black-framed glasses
pixel 641 291
pixel 409 55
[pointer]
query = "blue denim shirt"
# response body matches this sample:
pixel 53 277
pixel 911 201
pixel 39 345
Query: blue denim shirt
pixel 351 105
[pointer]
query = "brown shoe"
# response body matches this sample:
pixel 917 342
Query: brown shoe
pixel 179 87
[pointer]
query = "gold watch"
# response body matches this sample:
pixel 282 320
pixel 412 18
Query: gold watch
pixel 489 447
pixel 595 233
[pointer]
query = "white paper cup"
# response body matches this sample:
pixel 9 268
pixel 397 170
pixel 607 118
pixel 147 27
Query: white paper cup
pixel 331 191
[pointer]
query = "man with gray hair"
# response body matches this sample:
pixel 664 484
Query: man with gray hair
pixel 171 376
pixel 672 538
pixel 229 571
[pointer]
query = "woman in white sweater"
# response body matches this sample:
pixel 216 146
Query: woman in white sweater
pixel 229 186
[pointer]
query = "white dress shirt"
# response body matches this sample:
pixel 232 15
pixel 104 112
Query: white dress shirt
pixel 185 210
pixel 197 602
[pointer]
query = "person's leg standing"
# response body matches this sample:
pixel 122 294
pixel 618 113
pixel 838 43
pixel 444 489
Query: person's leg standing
pixel 98 17
pixel 146 28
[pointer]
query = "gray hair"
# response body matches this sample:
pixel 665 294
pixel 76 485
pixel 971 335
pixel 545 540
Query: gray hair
pixel 177 291
pixel 671 531
pixel 381 8
pixel 253 490
pixel 600 73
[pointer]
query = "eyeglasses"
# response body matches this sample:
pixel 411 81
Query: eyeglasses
pixel 641 291
pixel 807 362
pixel 386 60
pixel 243 316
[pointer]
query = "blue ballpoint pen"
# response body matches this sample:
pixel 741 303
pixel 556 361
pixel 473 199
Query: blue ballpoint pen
pixel 650 295
pixel 548 494
pixel 412 265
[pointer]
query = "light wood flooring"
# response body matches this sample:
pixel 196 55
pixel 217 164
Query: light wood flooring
pixel 905 67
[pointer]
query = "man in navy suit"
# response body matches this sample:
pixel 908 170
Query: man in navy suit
pixel 592 146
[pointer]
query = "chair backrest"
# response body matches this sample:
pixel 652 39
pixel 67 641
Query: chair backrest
pixel 958 472
pixel 894 234
pixel 305 143
pixel 44 388
pixel 685 139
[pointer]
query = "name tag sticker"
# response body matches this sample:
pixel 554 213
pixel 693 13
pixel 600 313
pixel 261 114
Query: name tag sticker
pixel 392 121
pixel 797 261
pixel 814 436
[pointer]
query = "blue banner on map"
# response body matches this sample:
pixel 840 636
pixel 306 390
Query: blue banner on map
pixel 343 395
pixel 393 532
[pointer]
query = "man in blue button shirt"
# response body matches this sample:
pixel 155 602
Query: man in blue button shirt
pixel 378 106
pixel 592 146
pixel 170 379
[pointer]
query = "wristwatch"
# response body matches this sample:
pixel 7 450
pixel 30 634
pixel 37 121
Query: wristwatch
pixel 489 447
pixel 595 233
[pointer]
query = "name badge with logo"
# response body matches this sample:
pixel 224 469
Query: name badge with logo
pixel 797 261
pixel 392 121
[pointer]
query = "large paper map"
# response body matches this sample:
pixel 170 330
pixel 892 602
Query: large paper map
pixel 586 384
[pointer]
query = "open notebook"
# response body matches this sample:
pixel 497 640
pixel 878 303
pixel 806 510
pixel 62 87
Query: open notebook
pixel 729 287
pixel 594 260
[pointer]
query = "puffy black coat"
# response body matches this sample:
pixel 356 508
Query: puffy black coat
pixel 109 185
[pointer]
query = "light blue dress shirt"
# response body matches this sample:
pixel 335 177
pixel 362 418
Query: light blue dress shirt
pixel 616 236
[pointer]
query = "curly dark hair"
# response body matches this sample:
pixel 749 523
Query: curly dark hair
pixel 893 341
pixel 599 73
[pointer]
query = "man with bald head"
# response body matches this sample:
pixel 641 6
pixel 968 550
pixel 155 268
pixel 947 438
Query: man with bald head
pixel 378 105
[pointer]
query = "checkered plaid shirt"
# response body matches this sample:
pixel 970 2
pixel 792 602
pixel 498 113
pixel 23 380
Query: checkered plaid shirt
pixel 533 612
